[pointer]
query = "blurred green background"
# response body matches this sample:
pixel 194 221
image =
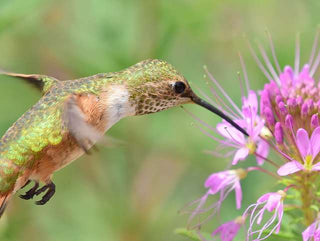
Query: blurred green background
pixel 134 190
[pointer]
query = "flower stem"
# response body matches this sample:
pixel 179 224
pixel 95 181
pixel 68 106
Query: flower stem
pixel 267 160
pixel 306 198
pixel 263 170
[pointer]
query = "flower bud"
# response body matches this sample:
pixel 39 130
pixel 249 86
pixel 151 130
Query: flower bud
pixel 282 108
pixel 314 121
pixel 289 121
pixel 278 133
pixel 269 116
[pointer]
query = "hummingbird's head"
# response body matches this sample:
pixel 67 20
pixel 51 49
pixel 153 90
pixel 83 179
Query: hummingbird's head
pixel 155 85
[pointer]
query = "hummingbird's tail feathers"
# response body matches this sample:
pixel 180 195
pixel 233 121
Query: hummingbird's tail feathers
pixel 3 202
pixel 41 82
pixel 85 134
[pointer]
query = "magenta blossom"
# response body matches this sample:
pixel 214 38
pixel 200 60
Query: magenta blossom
pixel 308 148
pixel 272 202
pixel 253 124
pixel 230 229
pixel 223 182
pixel 226 181
pixel 312 233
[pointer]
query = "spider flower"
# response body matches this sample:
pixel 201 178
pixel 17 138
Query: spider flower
pixel 223 183
pixel 308 148
pixel 253 124
pixel 312 232
pixel 229 230
pixel 271 202
pixel 226 181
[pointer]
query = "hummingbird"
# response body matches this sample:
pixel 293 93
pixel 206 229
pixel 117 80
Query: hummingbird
pixel 72 115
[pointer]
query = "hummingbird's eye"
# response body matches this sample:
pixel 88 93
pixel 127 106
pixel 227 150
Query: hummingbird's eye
pixel 179 87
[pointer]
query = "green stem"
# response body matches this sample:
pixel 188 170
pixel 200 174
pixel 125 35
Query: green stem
pixel 306 198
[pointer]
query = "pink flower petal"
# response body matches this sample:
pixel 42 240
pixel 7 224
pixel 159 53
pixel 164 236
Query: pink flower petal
pixel 250 105
pixel 273 202
pixel 227 230
pixel 262 150
pixel 261 215
pixel 316 167
pixel 259 124
pixel 309 232
pixel 303 142
pixel 289 168
pixel 238 192
pixel 305 75
pixel 287 76
pixel 315 142
pixel 241 154
pixel 280 215
pixel 230 133
pixel 213 180
pixel 253 100
pixel 264 198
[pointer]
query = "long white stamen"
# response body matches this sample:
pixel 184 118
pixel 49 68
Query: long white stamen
pixel 314 47
pixel 218 154
pixel 220 101
pixel 268 63
pixel 217 103
pixel 222 91
pixel 241 85
pixel 244 70
pixel 274 228
pixel 315 65
pixel 253 218
pixel 201 203
pixel 205 95
pixel 245 213
pixel 209 135
pixel 267 224
pixel 260 65
pixel 297 58
pixel 201 121
pixel 275 59
pixel 232 138
pixel 259 214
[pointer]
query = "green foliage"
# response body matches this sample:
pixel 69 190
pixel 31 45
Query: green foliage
pixel 191 234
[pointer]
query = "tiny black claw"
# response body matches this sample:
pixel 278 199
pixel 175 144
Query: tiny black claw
pixel 30 194
pixel 26 184
pixel 51 190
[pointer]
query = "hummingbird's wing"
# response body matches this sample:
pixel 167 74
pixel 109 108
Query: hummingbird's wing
pixel 85 134
pixel 41 82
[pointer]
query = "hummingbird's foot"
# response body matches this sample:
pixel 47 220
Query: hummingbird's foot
pixel 51 190
pixel 26 184
pixel 30 194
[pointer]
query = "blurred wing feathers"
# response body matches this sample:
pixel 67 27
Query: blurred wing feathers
pixel 85 134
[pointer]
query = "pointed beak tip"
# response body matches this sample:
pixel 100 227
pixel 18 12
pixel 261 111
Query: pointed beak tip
pixel 208 106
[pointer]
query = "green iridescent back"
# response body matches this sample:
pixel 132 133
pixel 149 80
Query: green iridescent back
pixel 42 124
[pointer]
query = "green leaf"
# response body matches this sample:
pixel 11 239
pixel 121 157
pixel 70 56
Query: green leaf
pixel 315 207
pixel 191 234
pixel 283 235
pixel 187 233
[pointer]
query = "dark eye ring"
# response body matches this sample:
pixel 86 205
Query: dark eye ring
pixel 179 87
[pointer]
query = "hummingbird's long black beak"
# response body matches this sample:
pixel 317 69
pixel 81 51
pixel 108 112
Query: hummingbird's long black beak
pixel 218 112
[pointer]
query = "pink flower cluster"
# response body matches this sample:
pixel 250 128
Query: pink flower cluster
pixel 284 120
